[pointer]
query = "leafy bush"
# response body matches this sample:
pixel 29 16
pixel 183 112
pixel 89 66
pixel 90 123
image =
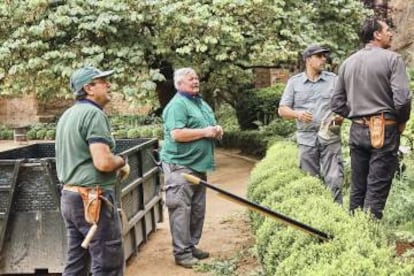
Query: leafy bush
pixel 41 134
pixel 120 134
pixel 250 142
pixel 226 117
pixel 360 245
pixel 258 105
pixel 31 134
pixel 411 75
pixel 50 134
pixel 133 133
pixel 6 133
pixel 399 211
pixel 146 132
pixel 158 132
pixel 132 121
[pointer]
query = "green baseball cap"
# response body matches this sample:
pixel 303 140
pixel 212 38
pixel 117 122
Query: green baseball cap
pixel 84 76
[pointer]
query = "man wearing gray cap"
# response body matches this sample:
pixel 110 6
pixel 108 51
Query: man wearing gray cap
pixel 306 99
pixel 88 168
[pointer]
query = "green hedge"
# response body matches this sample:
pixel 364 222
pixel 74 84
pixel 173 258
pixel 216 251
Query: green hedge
pixel 258 106
pixel 360 246
pixel 256 142
pixel 150 131
pixel 6 133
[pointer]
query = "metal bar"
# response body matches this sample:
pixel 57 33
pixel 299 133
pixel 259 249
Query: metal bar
pixel 261 209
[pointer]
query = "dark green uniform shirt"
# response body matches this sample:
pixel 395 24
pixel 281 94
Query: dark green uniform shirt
pixel 80 125
pixel 185 111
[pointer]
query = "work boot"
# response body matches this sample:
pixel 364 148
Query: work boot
pixel 187 262
pixel 200 254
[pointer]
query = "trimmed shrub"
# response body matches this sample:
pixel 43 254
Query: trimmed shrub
pixel 31 134
pixel 360 244
pixel 41 133
pixel 133 133
pixel 158 132
pixel 50 134
pixel 120 134
pixel 146 132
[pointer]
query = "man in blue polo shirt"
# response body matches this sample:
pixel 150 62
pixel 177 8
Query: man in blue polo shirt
pixel 190 131
pixel 306 99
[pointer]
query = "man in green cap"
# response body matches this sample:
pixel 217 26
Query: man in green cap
pixel 88 168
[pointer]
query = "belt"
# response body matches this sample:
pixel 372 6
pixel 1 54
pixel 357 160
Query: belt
pixel 74 188
pixel 365 122
pixel 71 188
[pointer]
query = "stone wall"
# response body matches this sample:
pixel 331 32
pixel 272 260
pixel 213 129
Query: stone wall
pixel 26 110
pixel 20 111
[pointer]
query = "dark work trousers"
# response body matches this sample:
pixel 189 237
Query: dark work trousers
pixel 105 250
pixel 186 205
pixel 325 161
pixel 372 169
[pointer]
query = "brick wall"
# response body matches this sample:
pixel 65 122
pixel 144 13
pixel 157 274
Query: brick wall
pixel 267 77
pixel 26 110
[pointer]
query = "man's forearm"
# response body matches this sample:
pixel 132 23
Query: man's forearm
pixel 287 113
pixel 189 134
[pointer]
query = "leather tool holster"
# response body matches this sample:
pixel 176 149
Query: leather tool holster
pixel 377 130
pixel 91 202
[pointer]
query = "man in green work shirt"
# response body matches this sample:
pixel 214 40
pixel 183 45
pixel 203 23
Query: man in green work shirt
pixel 190 131
pixel 85 160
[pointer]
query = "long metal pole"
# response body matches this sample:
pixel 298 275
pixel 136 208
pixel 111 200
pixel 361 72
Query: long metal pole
pixel 261 209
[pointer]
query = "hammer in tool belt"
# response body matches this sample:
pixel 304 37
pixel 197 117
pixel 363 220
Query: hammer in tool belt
pixel 261 209
pixel 92 205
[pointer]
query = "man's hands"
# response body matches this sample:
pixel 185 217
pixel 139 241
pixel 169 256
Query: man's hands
pixel 215 132
pixel 304 116
pixel 338 119
pixel 124 171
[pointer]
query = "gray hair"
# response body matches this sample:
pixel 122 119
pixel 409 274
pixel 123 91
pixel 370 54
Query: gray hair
pixel 180 73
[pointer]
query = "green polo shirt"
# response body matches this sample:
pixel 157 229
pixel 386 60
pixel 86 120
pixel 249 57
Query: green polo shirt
pixel 185 111
pixel 80 125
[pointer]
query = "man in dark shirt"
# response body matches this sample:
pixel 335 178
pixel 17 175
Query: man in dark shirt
pixel 373 81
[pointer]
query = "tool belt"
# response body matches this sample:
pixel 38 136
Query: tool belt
pixel 376 124
pixel 91 197
pixel 365 121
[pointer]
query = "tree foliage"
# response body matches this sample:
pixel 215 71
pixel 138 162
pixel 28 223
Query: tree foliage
pixel 43 41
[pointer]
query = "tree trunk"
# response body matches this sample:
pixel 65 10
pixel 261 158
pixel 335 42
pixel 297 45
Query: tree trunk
pixel 165 89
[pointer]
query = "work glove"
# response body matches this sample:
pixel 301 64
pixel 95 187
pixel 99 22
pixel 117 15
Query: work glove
pixel 124 171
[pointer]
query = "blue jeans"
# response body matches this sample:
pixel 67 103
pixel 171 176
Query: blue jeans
pixel 372 169
pixel 106 253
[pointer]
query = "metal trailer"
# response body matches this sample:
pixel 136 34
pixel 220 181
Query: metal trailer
pixel 32 233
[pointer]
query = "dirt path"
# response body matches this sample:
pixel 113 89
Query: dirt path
pixel 226 232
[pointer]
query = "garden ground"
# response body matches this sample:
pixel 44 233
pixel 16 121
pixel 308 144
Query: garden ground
pixel 226 232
